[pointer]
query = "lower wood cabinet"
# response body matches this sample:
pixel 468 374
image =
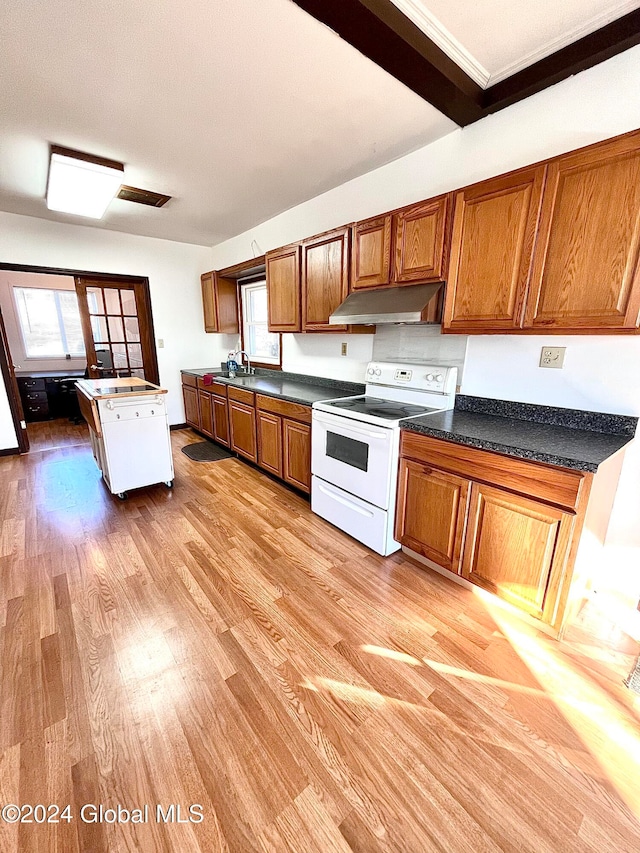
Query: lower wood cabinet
pixel 284 440
pixel 511 526
pixel 516 547
pixel 296 464
pixel 270 442
pixel 220 419
pixel 432 511
pixel 242 421
pixel 206 414
pixel 191 407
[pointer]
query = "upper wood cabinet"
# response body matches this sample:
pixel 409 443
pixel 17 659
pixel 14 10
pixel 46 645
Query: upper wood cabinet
pixel 494 231
pixel 421 242
pixel 371 253
pixel 220 303
pixel 325 278
pixel 283 289
pixel 585 272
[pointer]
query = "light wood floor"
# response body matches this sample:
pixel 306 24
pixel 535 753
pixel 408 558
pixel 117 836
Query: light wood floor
pixel 218 644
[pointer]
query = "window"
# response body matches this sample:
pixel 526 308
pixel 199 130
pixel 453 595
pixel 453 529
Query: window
pixel 50 322
pixel 261 344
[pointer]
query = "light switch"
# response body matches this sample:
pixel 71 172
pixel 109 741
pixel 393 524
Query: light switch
pixel 552 357
pixel 160 343
pixel 344 349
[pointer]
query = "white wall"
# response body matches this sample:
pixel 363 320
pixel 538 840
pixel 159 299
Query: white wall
pixel 173 270
pixel 601 372
pixel 8 437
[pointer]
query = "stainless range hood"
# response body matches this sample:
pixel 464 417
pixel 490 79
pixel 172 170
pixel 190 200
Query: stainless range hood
pixel 414 303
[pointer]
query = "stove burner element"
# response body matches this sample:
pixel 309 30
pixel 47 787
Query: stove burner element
pixel 125 389
pixel 387 409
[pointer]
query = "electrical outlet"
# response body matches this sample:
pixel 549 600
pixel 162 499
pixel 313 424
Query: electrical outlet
pixel 552 357
pixel 344 349
pixel 160 343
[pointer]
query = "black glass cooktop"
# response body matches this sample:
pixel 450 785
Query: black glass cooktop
pixel 387 409
pixel 125 389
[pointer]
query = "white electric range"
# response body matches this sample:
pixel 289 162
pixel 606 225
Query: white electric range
pixel 355 444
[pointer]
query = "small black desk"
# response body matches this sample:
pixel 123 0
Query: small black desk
pixel 48 394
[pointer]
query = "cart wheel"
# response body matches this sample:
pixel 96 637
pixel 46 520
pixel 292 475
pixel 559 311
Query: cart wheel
pixel 168 484
pixel 123 496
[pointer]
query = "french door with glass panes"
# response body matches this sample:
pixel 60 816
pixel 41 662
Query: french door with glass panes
pixel 117 328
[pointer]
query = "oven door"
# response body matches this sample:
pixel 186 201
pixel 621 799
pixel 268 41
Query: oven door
pixel 356 456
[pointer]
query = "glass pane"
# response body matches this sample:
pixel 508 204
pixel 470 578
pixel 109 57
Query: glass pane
pixel 128 302
pixel 112 300
pixel 116 330
pixel 139 373
pixel 258 305
pixel 262 342
pixel 103 356
pixel 39 321
pixel 69 316
pixel 99 329
pixel 131 328
pixel 348 450
pixel 94 299
pixel 135 355
pixel 119 356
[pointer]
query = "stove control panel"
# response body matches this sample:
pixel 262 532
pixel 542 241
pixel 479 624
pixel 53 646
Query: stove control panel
pixel 419 377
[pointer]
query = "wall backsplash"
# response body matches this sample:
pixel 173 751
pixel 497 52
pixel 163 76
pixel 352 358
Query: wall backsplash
pixel 420 344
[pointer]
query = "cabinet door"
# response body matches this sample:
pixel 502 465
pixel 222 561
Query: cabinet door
pixel 209 302
pixel 371 253
pixel 586 273
pixel 431 513
pixel 421 244
pixel 191 408
pixel 516 548
pixel 296 441
pixel 269 442
pixel 206 414
pixel 325 278
pixel 220 420
pixel 283 289
pixel 219 303
pixel 242 420
pixel 494 229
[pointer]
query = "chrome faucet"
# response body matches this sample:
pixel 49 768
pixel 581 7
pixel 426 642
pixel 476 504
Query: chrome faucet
pixel 250 370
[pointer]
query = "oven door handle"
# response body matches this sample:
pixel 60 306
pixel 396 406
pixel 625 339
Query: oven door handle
pixel 343 427
pixel 345 502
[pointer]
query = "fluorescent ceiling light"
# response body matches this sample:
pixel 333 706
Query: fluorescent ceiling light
pixel 82 184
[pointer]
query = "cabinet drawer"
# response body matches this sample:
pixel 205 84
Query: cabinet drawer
pixel 34 397
pixel 188 379
pixel 217 388
pixel 533 479
pixel 27 384
pixel 242 396
pixel 36 411
pixel 296 411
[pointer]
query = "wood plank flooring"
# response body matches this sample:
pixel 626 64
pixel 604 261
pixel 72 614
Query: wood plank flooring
pixel 219 645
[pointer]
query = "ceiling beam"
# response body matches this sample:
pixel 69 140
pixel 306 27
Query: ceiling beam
pixel 588 51
pixel 380 31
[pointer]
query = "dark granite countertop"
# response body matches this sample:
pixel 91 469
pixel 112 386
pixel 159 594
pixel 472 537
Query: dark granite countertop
pixel 568 438
pixel 294 387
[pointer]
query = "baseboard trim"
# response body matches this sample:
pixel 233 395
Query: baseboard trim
pixel 10 451
pixel 178 426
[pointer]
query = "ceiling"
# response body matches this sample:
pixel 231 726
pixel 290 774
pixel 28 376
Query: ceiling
pixel 493 39
pixel 239 110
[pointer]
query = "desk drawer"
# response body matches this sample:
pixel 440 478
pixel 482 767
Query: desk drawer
pixel 36 411
pixel 29 396
pixel 25 383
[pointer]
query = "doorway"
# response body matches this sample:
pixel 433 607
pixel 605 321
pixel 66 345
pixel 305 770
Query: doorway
pixel 65 325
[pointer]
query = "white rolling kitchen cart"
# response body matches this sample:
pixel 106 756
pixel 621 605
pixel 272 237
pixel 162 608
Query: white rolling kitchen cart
pixel 129 432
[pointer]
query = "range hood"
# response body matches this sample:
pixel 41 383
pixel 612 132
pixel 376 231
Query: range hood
pixel 414 303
